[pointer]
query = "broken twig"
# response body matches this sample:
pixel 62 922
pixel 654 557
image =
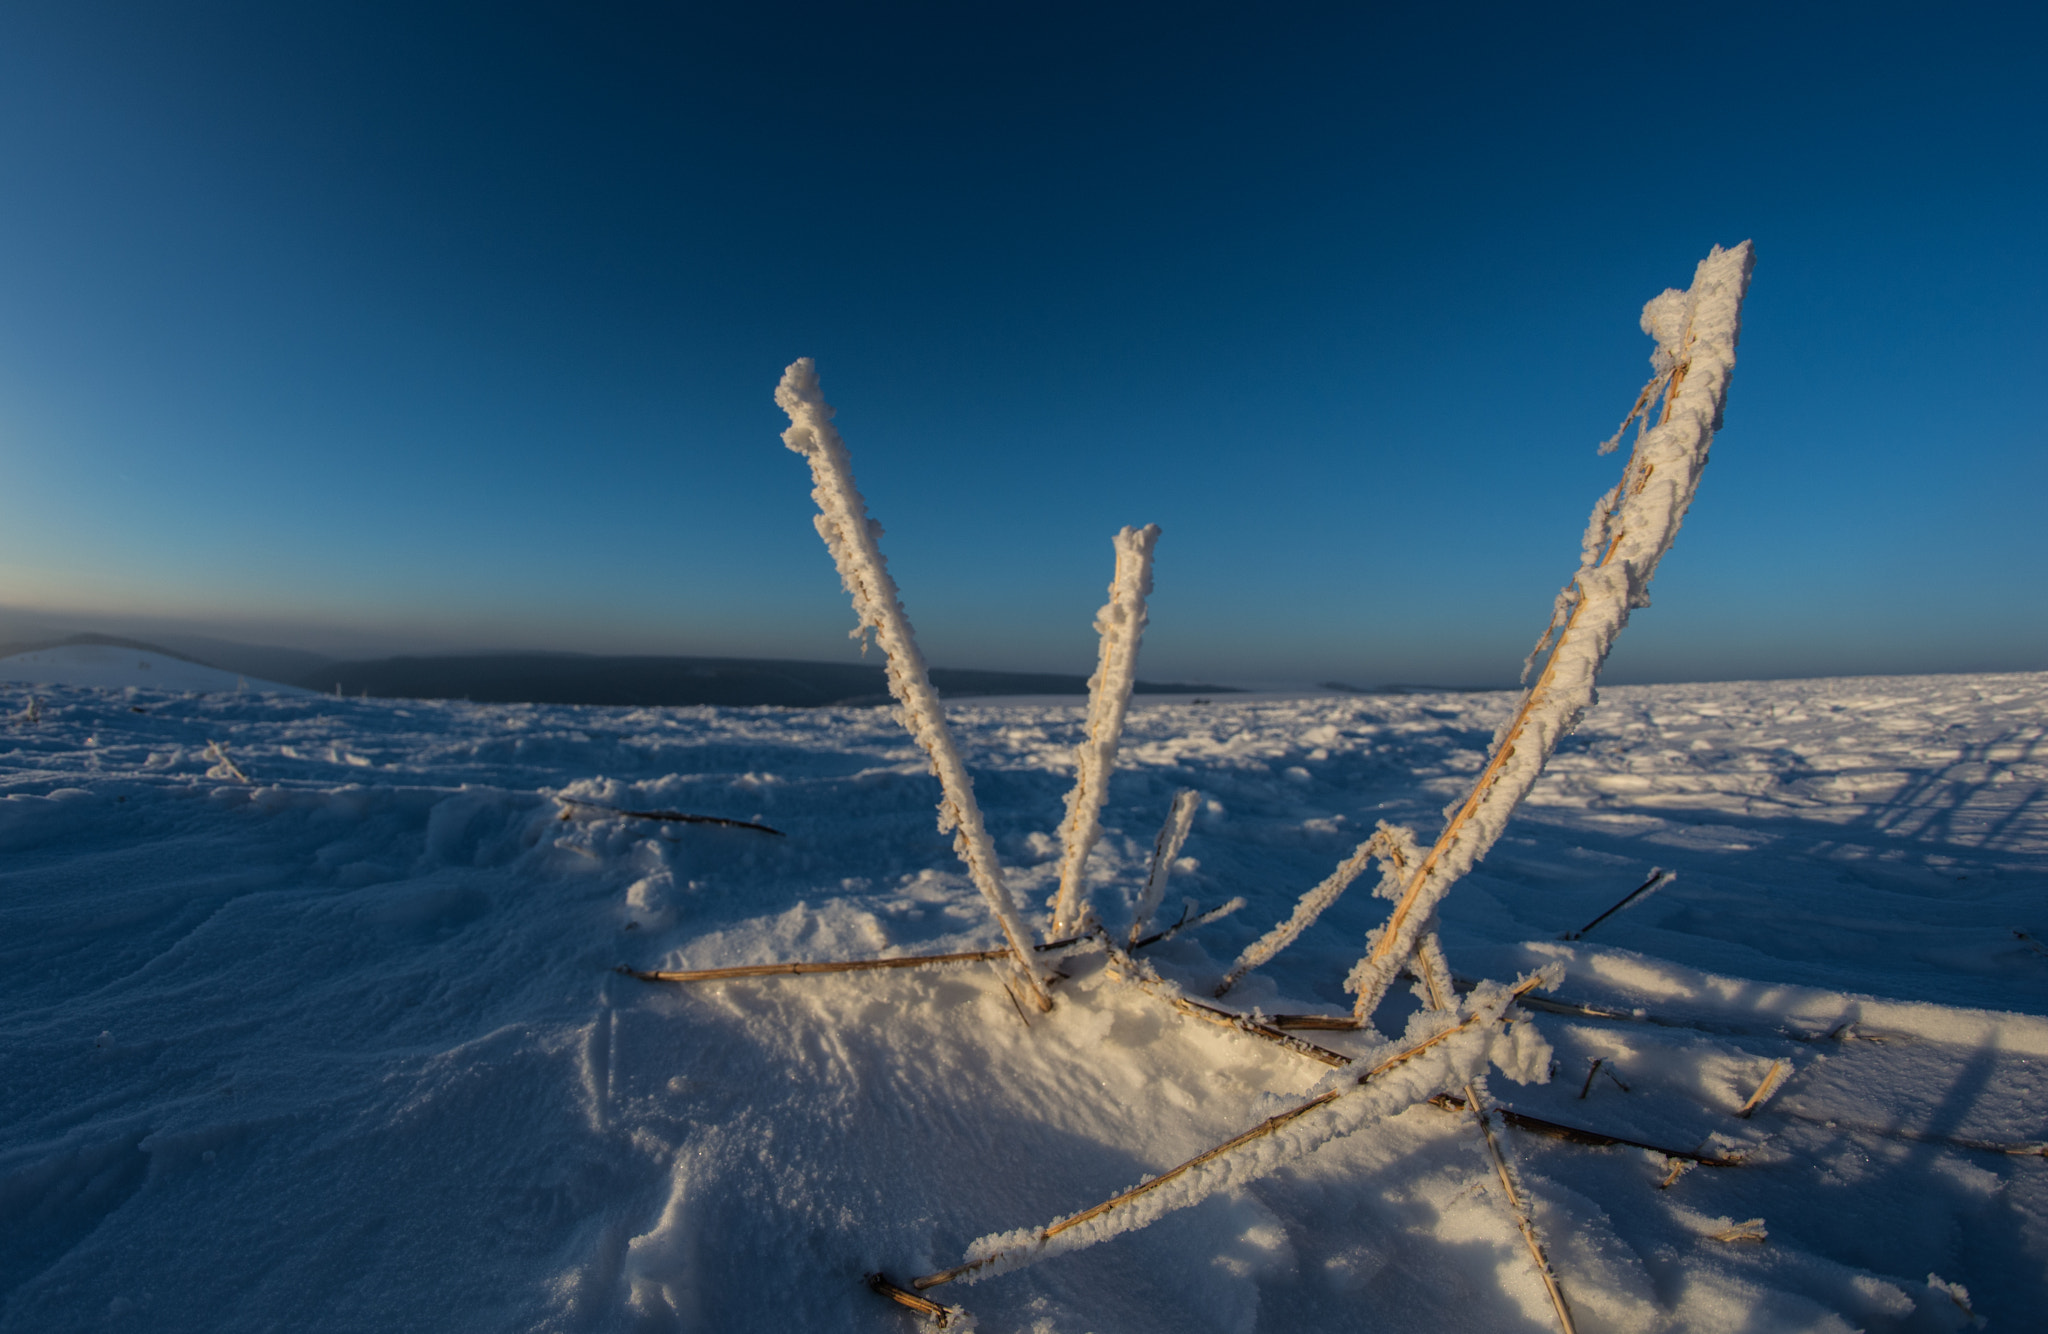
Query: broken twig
pixel 904 960
pixel 671 817
pixel 1659 877
pixel 1592 1139
pixel 1773 1079
pixel 1180 817
pixel 879 1283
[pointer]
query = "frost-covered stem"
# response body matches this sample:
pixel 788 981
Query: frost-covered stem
pixel 1773 1078
pixel 1180 817
pixel 1435 972
pixel 1395 848
pixel 1121 624
pixel 223 767
pixel 1632 527
pixel 1123 970
pixel 854 541
pixel 1411 1074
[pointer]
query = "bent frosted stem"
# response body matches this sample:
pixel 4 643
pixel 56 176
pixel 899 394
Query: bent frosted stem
pixel 1631 529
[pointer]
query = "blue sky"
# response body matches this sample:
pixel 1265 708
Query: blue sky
pixel 372 326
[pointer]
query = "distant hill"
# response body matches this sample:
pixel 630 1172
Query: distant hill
pixel 113 664
pixel 517 678
pixel 575 678
pixel 1399 688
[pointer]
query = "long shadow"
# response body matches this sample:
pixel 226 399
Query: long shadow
pixel 1928 807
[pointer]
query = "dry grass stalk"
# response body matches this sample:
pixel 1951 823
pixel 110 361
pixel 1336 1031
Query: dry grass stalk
pixel 1124 970
pixel 907 960
pixel 1333 1023
pixel 1247 1025
pixel 1774 1078
pixel 1601 1065
pixel 1173 835
pixel 1659 878
pixel 1750 1230
pixel 1185 923
pixel 1592 1139
pixel 940 1316
pixel 1121 625
pixel 1679 1167
pixel 1392 845
pixel 800 969
pixel 1436 980
pixel 854 541
pixel 1260 1131
pixel 1631 529
pixel 229 769
pixel 570 804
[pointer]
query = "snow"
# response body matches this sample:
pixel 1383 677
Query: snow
pixel 111 666
pixel 342 1047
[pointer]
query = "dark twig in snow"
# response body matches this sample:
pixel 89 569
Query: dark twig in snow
pixel 1593 1139
pixel 879 1283
pixel 1659 877
pixel 671 817
pixel 905 960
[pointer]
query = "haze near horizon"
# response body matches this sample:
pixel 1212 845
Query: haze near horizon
pixel 408 328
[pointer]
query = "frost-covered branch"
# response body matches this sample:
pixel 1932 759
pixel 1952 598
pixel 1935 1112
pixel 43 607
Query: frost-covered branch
pixel 1180 817
pixel 854 541
pixel 1631 529
pixel 1121 623
pixel 1394 845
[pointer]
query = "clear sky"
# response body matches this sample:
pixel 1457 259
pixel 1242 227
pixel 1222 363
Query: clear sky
pixel 371 326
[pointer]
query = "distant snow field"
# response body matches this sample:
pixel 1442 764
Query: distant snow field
pixel 108 666
pixel 342 1047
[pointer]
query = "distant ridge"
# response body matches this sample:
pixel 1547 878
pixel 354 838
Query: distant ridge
pixel 576 678
pixel 582 678
pixel 1402 689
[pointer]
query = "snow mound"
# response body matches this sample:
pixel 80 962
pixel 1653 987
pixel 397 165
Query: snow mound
pixel 111 667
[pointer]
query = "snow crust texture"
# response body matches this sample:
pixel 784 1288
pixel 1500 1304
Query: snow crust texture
pixel 341 1047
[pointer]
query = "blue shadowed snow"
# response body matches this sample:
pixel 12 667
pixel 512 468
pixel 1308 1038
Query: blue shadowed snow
pixel 342 1047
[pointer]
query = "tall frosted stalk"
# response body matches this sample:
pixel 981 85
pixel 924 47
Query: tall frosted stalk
pixel 1632 527
pixel 854 541
pixel 1121 624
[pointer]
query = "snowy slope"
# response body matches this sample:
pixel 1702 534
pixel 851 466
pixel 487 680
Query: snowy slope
pixel 109 666
pixel 342 1048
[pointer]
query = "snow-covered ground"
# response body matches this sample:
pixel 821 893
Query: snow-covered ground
pixel 343 1047
pixel 112 666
